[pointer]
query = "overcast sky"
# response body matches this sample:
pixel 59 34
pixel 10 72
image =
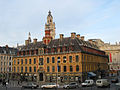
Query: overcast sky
pixel 99 19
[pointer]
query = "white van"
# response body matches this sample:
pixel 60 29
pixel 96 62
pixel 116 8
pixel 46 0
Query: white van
pixel 102 83
pixel 88 83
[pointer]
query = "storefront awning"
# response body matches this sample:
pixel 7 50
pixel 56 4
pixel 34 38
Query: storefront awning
pixel 91 74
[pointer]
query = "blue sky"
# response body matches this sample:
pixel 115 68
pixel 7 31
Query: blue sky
pixel 99 19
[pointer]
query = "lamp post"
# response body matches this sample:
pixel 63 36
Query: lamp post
pixel 99 75
pixel 57 76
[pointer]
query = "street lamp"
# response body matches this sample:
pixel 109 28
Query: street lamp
pixel 57 75
pixel 99 75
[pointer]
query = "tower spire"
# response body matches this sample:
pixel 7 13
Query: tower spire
pixel 29 37
pixel 49 12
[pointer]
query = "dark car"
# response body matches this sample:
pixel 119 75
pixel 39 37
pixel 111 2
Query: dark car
pixel 71 85
pixel 30 85
pixel 114 80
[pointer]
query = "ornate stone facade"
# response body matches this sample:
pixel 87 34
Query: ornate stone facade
pixel 6 59
pixel 112 50
pixel 64 59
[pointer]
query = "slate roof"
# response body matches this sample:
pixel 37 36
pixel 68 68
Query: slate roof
pixel 32 46
pixel 8 50
pixel 68 41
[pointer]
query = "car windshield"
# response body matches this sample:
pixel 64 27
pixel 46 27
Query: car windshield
pixel 114 79
pixel 98 81
pixel 29 83
pixel 86 81
pixel 51 84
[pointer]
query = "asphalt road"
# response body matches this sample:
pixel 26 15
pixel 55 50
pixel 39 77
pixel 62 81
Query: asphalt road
pixel 13 85
pixel 113 87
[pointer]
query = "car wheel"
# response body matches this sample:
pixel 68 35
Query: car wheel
pixel 97 86
pixel 67 87
pixel 109 86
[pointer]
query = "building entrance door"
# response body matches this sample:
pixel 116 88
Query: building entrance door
pixel 41 76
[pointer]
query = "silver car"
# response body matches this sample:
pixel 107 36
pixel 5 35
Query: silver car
pixel 71 85
pixel 30 85
pixel 50 85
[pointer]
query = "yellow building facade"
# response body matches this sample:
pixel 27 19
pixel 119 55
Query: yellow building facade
pixel 64 59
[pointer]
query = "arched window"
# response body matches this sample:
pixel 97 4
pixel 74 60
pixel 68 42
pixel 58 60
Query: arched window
pixel 77 68
pixel 21 69
pixel 48 69
pixel 34 69
pixel 18 61
pixel 58 59
pixel 48 60
pixel 53 68
pixel 21 61
pixel 65 68
pixel 70 59
pixel 64 59
pixel 71 68
pixel 17 69
pixel 30 69
pixel 77 58
pixel 53 59
pixel 25 69
pixel 59 69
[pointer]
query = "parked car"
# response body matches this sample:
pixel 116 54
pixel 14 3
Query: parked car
pixel 71 85
pixel 88 83
pixel 30 85
pixel 118 86
pixel 50 85
pixel 115 80
pixel 102 83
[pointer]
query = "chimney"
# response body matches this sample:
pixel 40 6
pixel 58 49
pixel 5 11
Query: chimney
pixel 78 36
pixel 82 38
pixel 90 41
pixel 73 34
pixel 35 40
pixel 61 36
pixel 26 42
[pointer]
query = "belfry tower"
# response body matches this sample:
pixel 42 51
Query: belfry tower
pixel 49 29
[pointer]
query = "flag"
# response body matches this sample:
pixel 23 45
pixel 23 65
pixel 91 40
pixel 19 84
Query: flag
pixel 110 57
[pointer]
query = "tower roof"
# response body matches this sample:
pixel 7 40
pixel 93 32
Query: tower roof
pixel 49 14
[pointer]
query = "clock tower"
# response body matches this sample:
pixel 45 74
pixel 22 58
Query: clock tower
pixel 49 29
